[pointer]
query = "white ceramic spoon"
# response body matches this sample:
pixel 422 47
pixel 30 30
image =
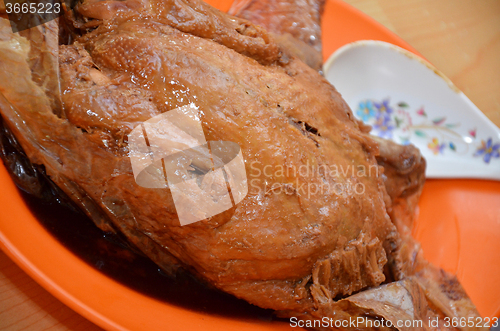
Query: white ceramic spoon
pixel 408 100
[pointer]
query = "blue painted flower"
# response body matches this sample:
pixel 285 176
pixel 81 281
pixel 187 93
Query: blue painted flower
pixel 488 150
pixel 383 127
pixel 384 107
pixel 365 110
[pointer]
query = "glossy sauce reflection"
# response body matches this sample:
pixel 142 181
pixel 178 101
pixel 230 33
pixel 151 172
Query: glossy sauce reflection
pixel 109 253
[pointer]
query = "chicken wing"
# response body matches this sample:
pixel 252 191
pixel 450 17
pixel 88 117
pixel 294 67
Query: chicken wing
pixel 295 25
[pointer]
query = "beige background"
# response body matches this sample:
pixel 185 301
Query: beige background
pixel 460 37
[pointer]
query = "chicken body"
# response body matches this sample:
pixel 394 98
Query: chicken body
pixel 129 70
pixel 314 225
pixel 274 239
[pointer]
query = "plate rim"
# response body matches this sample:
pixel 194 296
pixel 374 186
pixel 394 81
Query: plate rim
pixel 82 303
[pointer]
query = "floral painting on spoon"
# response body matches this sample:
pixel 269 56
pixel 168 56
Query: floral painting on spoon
pixel 403 123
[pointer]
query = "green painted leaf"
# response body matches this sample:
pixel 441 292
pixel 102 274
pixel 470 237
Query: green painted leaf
pixel 398 120
pixel 452 125
pixel 403 104
pixel 453 147
pixel 420 133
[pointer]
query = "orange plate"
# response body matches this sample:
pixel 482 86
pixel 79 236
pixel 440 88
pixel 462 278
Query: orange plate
pixel 458 226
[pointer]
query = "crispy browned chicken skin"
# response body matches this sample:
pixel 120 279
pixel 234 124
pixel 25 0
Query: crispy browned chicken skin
pixel 295 25
pixel 291 250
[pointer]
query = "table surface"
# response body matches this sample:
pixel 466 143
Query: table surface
pixel 460 37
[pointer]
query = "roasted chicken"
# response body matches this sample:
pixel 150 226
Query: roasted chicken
pixel 71 97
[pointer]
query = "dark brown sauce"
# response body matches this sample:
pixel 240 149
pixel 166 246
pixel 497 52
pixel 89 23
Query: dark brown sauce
pixel 109 254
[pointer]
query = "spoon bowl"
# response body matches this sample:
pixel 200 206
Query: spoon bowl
pixel 406 99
